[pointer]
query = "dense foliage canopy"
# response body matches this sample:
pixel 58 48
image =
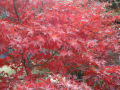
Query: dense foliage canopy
pixel 59 40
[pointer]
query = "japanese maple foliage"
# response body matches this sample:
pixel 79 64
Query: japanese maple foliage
pixel 54 82
pixel 61 36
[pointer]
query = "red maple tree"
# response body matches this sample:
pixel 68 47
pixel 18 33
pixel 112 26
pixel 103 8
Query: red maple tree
pixel 64 37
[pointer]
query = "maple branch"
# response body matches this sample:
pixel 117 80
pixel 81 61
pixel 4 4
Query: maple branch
pixel 48 58
pixel 15 9
pixel 23 63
